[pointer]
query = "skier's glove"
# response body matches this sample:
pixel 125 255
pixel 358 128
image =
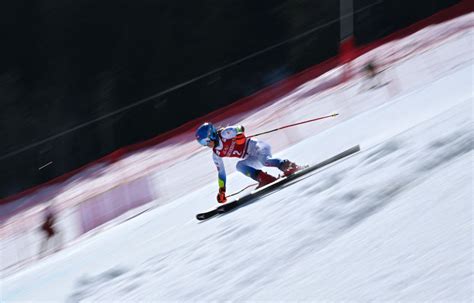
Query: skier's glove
pixel 221 195
pixel 240 138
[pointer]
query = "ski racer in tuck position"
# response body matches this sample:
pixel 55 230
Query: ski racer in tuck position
pixel 232 142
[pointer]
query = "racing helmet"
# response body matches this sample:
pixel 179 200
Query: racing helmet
pixel 206 133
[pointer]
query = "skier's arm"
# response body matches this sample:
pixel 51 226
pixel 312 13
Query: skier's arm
pixel 220 170
pixel 232 131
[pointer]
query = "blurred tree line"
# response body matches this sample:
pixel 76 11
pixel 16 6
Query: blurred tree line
pixel 63 63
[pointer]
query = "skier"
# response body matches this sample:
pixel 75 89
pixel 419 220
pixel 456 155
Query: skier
pixel 374 77
pixel 49 228
pixel 232 142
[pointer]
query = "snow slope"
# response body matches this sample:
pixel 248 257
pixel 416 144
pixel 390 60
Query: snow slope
pixel 393 222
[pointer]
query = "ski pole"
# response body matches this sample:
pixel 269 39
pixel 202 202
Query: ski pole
pixel 294 124
pixel 238 192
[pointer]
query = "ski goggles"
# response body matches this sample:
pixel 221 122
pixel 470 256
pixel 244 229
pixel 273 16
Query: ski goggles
pixel 204 141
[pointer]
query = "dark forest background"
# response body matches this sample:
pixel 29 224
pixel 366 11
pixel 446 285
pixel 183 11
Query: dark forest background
pixel 64 62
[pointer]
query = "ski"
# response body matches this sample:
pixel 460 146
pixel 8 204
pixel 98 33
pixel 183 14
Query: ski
pixel 257 193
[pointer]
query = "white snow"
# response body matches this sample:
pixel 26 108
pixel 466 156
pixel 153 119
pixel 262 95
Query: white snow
pixel 392 223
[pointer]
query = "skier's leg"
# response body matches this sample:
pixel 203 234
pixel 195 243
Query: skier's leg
pixel 258 175
pixel 244 167
pixel 265 157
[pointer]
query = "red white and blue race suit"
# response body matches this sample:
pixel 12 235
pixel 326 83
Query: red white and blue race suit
pixel 232 143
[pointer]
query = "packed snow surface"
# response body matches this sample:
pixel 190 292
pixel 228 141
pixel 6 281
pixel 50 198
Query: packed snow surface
pixel 392 222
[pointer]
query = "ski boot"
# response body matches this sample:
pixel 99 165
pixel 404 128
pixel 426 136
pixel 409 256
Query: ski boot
pixel 288 167
pixel 264 179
